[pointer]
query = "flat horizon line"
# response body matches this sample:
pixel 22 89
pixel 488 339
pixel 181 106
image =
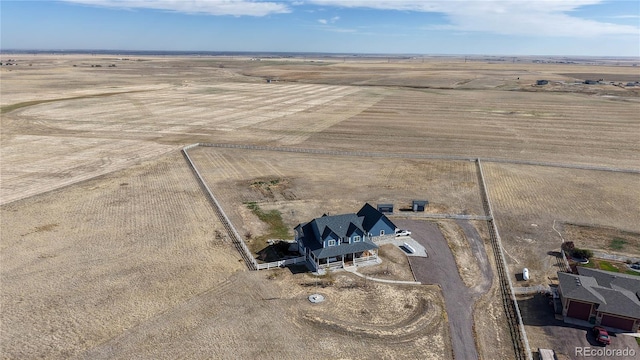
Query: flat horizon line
pixel 330 54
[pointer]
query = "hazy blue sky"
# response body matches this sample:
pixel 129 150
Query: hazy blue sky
pixel 518 27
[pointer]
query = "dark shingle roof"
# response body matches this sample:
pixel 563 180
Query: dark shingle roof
pixel 371 216
pixel 342 226
pixel 615 293
pixel 338 224
pixel 620 303
pixel 579 287
pixel 611 279
pixel 309 238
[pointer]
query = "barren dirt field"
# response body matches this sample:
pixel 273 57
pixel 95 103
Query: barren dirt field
pixel 109 247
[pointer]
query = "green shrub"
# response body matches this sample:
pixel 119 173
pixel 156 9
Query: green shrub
pixel 582 253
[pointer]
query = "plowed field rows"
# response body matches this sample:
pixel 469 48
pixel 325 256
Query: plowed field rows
pixel 562 128
pixel 66 141
pixel 223 107
pixel 133 263
pixel 87 262
pixel 32 164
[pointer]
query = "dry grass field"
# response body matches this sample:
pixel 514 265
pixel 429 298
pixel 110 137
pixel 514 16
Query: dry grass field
pixel 528 200
pixel 301 191
pixel 110 249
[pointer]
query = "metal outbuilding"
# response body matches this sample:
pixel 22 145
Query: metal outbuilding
pixel 419 205
pixel 385 208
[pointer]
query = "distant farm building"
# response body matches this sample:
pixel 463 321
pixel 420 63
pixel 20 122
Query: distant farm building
pixel 419 205
pixel 385 208
pixel 542 82
pixel 343 240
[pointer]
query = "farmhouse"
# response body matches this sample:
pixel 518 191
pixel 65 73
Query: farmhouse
pixel 601 297
pixel 343 240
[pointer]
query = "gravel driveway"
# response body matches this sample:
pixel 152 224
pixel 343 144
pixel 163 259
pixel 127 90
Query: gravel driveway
pixel 440 268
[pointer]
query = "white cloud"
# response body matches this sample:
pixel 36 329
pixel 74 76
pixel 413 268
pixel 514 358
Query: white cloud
pixel 625 17
pixel 513 17
pixel 209 7
pixel 330 21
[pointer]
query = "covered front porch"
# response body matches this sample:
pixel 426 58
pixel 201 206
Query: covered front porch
pixel 345 260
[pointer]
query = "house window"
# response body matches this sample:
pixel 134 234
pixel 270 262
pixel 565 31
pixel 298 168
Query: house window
pixel 381 232
pixel 356 238
pixel 332 242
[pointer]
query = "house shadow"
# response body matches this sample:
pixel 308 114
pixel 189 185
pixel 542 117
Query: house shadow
pixel 298 268
pixel 537 310
pixel 276 252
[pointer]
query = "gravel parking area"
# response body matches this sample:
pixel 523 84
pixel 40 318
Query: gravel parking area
pixel 568 341
pixel 440 268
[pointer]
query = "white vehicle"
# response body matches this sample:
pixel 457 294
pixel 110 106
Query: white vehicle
pixel 400 232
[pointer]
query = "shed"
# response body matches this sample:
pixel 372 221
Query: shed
pixel 385 208
pixel 419 205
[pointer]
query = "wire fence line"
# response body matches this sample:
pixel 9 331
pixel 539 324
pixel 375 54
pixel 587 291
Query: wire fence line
pixel 281 263
pixel 439 216
pixel 419 156
pixel 236 239
pixel 516 326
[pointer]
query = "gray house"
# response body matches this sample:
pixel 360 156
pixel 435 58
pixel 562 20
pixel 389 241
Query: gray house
pixel 342 240
pixel 601 297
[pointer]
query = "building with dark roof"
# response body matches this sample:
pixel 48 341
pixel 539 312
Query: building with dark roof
pixel 342 240
pixel 385 208
pixel 419 205
pixel 601 297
